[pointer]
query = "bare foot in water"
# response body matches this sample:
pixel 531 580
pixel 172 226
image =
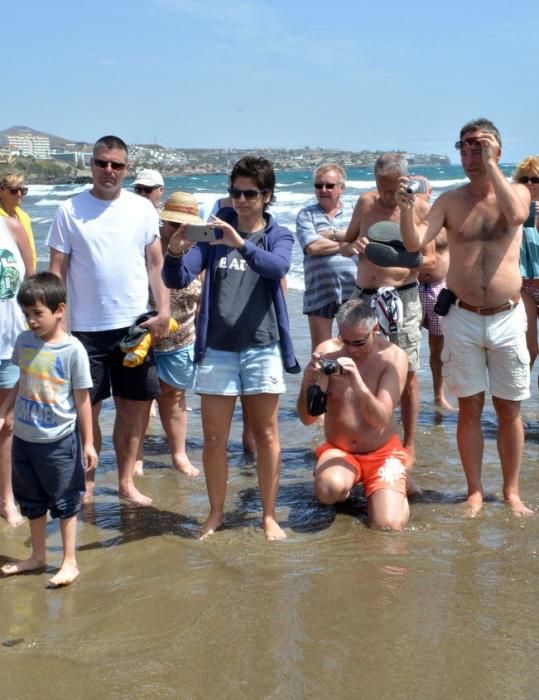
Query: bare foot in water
pixel 272 529
pixel 21 566
pixel 139 468
pixel 135 497
pixel 473 506
pixel 11 514
pixel 67 574
pixel 442 404
pixel 211 525
pixel 182 464
pixel 518 508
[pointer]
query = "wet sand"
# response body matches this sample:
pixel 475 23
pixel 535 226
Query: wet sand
pixel 447 609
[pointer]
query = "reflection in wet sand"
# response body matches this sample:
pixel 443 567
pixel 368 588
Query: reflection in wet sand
pixel 447 609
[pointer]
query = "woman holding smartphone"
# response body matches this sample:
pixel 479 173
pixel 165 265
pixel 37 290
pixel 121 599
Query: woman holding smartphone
pixel 243 339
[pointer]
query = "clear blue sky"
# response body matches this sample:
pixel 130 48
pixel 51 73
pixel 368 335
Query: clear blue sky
pixel 279 73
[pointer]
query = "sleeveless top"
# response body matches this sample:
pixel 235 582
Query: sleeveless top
pixel 12 272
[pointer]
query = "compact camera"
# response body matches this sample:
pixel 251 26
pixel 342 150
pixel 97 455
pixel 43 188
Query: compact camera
pixel 416 187
pixel 329 367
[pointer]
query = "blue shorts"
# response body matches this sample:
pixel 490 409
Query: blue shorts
pixel 255 370
pixel 9 374
pixel 48 476
pixel 177 367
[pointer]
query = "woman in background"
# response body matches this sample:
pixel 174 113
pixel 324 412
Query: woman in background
pixel 527 173
pixel 12 190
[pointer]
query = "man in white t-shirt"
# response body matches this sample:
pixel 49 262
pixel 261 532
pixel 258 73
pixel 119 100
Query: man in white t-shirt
pixel 105 243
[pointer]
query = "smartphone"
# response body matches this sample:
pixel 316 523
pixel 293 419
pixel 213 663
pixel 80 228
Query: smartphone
pixel 199 233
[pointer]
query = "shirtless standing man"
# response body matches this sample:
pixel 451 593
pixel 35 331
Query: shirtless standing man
pixel 371 208
pixel 431 281
pixel 485 328
pixel 361 433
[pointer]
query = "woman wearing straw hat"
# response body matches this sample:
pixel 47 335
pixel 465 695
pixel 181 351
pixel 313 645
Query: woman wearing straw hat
pixel 174 355
pixel 243 338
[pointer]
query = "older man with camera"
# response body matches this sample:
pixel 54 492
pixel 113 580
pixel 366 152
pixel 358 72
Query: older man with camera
pixel 356 380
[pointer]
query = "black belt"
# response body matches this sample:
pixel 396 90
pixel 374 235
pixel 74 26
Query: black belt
pixel 370 292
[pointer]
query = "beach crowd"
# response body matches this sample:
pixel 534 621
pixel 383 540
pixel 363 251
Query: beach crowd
pixel 144 300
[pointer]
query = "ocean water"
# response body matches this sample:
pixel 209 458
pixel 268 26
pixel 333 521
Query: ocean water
pixel 294 190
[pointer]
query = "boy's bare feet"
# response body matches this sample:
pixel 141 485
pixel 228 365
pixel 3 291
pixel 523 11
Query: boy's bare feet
pixel 442 404
pixel 182 464
pixel 21 566
pixel 135 497
pixel 10 512
pixel 473 505
pixel 272 530
pixel 67 574
pixel 139 468
pixel 211 525
pixel 518 508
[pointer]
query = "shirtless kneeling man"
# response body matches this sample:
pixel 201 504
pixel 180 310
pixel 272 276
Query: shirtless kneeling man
pixel 357 379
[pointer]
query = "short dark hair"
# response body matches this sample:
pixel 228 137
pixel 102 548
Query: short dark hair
pixel 260 170
pixel 482 124
pixel 45 288
pixel 109 142
pixel 356 311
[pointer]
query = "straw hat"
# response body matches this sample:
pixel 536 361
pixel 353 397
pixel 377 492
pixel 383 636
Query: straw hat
pixel 182 208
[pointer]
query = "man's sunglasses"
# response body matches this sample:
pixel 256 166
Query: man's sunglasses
pixel 327 185
pixel 16 190
pixel 142 189
pixel 354 343
pixel 471 142
pixel 235 193
pixel 113 164
pixel 525 179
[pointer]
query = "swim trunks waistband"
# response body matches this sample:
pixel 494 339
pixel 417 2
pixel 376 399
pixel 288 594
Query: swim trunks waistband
pixel 489 310
pixel 368 290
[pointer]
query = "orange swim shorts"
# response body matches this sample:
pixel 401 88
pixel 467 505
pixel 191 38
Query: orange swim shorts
pixel 382 469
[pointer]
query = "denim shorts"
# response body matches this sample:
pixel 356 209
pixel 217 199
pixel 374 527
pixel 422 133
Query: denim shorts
pixel 255 370
pixel 48 476
pixel 177 367
pixel 9 374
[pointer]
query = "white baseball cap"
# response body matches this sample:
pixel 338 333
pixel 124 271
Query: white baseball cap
pixel 149 178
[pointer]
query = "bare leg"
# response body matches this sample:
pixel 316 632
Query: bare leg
pixel 510 447
pixel 173 415
pixel 263 413
pixel 409 411
pixel 69 570
pixel 388 509
pixel 531 333
pixel 470 444
pixel 129 426
pixel 38 559
pixel 216 419
pixel 321 329
pixel 247 437
pixel 333 478
pixel 8 507
pixel 436 344
pixel 88 497
pixel 139 461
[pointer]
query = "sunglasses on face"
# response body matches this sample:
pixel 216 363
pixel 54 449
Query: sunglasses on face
pixel 142 189
pixel 16 190
pixel 326 185
pixel 235 193
pixel 113 164
pixel 471 142
pixel 354 343
pixel 525 179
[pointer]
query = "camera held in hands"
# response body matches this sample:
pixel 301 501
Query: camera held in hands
pixel 329 367
pixel 416 187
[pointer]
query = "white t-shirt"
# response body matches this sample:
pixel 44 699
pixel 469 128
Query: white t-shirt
pixel 11 276
pixel 106 243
